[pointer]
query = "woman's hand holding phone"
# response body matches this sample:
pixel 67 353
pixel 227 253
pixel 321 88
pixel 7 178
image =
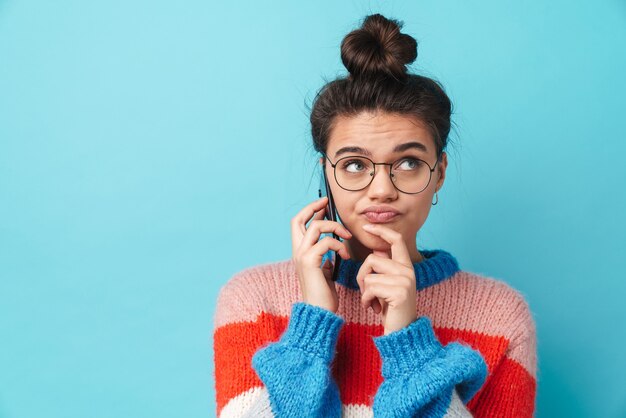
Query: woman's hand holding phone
pixel 308 250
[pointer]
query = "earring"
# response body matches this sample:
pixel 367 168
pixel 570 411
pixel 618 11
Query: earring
pixel 437 196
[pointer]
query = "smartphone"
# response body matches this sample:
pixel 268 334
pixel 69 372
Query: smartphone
pixel 330 214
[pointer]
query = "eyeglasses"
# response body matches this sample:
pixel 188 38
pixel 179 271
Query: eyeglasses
pixel 408 174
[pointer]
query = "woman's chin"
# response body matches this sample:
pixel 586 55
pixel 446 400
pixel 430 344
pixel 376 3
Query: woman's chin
pixel 370 242
pixel 377 244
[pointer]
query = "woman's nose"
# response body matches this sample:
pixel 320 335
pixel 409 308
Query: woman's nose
pixel 381 184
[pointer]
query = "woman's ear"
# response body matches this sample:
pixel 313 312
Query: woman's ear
pixel 441 167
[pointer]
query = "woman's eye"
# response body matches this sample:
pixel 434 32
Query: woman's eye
pixel 355 163
pixel 409 164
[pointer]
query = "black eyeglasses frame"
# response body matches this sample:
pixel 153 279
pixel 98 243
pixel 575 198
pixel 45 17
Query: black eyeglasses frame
pixel 430 175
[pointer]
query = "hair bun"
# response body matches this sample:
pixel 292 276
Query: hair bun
pixel 378 47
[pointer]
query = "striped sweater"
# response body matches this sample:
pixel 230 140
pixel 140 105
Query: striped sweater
pixel 470 353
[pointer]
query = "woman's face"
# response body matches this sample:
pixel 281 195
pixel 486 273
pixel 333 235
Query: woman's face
pixel 379 133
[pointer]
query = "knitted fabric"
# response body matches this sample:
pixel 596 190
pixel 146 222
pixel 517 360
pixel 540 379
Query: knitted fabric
pixel 471 351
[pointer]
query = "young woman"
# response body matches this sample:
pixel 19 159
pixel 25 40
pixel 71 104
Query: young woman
pixel 402 332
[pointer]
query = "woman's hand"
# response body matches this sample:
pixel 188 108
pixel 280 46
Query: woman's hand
pixel 316 283
pixel 388 283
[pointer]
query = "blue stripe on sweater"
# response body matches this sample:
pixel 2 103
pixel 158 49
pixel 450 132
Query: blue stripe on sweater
pixel 437 266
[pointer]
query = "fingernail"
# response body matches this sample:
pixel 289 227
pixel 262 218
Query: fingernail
pixel 368 226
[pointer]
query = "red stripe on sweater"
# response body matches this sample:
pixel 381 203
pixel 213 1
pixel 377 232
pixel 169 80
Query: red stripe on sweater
pixel 357 364
pixel 508 393
pixel 234 345
pixel 360 364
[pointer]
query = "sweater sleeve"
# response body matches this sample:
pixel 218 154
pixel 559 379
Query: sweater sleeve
pixel 422 378
pixel 266 367
pixel 296 369
pixel 238 332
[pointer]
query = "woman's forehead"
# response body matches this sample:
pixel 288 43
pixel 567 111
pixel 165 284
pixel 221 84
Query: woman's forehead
pixel 378 134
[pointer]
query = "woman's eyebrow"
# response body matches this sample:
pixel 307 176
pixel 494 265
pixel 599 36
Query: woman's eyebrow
pixel 398 148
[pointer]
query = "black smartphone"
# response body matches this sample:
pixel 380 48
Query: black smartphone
pixel 330 214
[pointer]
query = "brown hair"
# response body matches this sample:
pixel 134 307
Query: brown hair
pixel 376 56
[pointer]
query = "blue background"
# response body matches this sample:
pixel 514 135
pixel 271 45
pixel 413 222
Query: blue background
pixel 149 150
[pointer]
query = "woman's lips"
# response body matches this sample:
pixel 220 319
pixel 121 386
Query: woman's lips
pixel 380 217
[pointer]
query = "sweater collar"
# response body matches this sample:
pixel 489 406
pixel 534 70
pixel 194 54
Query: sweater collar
pixel 437 266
